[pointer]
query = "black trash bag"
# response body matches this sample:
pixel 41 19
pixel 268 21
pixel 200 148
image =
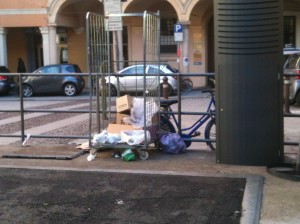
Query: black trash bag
pixel 172 143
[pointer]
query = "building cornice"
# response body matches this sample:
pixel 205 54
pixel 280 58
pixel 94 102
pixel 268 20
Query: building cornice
pixel 22 11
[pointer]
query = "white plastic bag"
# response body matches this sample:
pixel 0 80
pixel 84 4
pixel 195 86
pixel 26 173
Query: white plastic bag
pixel 137 118
pixel 105 137
pixel 100 138
pixel 134 137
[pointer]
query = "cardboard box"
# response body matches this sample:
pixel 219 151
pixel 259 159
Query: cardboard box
pixel 123 104
pixel 117 128
pixel 119 118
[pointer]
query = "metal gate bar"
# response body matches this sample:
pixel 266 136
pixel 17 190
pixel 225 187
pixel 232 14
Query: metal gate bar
pixel 99 63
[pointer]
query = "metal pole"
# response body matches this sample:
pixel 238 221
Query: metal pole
pixel 287 83
pixel 21 108
pixel 179 78
pixel 165 87
pixel 298 159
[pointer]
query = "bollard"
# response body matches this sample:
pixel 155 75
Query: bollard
pixel 286 87
pixel 165 89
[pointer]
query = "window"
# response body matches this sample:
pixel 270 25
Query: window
pixel 134 70
pixel 153 70
pixel 289 32
pixel 167 42
pixel 50 70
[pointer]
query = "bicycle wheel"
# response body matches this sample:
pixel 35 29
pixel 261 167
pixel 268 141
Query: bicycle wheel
pixel 186 85
pixel 210 134
pixel 166 125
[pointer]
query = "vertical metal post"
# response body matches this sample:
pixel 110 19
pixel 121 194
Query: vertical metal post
pixel 21 108
pixel 298 159
pixel 287 83
pixel 179 78
pixel 165 88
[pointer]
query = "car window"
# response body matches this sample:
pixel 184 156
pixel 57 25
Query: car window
pixel 134 70
pixel 293 62
pixel 50 70
pixel 70 69
pixel 174 70
pixel 153 70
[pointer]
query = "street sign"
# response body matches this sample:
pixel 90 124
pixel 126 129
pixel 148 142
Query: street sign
pixel 178 32
pixel 113 7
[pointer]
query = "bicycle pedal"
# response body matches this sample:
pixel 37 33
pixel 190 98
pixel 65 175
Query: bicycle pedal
pixel 197 133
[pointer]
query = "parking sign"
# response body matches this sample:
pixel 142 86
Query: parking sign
pixel 178 32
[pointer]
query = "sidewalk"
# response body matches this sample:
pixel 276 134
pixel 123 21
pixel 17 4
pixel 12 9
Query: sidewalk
pixel 281 197
pixel 280 200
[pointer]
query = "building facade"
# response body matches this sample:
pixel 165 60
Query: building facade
pixel 45 32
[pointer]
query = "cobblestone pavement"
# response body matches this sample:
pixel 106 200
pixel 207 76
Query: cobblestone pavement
pixel 281 197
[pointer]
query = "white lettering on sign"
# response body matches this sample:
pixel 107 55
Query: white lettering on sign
pixel 178 28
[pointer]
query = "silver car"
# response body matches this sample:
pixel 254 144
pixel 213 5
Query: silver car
pixel 128 82
pixel 292 67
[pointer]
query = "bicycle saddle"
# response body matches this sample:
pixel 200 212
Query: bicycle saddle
pixel 167 103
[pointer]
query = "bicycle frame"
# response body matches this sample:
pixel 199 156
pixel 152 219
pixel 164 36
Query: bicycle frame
pixel 194 127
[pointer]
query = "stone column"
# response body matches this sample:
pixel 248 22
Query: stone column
pixel 3 46
pixel 185 47
pixel 118 50
pixel 46 44
pixel 53 55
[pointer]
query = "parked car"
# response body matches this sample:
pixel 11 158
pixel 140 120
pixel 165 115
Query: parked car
pixel 7 83
pixel 292 67
pixel 130 83
pixel 59 83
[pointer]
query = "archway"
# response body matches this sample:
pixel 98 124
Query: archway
pixel 69 18
pixel 168 17
pixel 202 39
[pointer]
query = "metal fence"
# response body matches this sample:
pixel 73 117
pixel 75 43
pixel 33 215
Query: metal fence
pixel 180 111
pixel 101 62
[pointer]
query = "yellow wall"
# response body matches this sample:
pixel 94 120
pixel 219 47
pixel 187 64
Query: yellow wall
pixel 77 49
pixel 16 48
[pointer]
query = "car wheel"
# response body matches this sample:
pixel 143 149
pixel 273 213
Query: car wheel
pixel 113 90
pixel 70 89
pixel 27 90
pixel 186 85
pixel 170 90
pixel 297 99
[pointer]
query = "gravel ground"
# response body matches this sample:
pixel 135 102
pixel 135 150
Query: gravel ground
pixel 78 128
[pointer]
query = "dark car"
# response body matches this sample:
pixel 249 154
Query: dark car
pixel 7 83
pixel 58 83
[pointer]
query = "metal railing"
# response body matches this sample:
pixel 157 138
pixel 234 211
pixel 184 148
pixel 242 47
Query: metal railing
pixel 22 110
pixel 179 112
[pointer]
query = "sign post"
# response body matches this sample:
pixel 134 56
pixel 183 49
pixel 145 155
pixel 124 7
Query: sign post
pixel 113 7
